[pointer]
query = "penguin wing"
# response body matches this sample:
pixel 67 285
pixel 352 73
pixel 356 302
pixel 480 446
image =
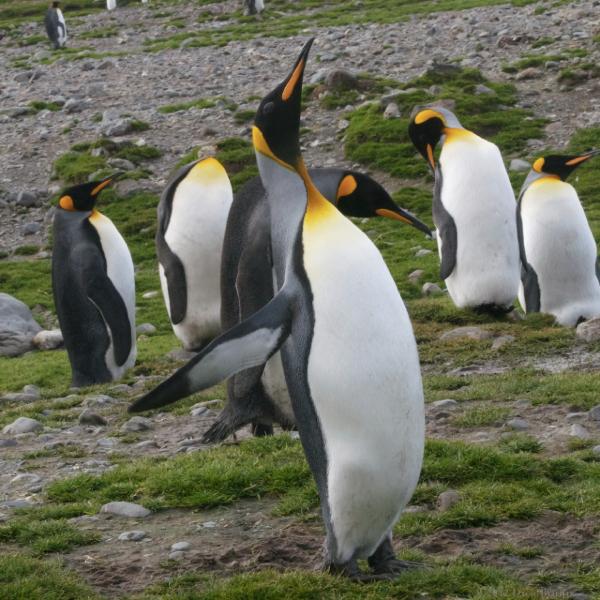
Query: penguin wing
pixel 529 278
pixel 598 269
pixel 446 228
pixel 102 292
pixel 51 23
pixel 249 344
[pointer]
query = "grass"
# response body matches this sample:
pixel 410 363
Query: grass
pixel 24 577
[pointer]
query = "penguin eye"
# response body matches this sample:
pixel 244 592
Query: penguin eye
pixel 268 108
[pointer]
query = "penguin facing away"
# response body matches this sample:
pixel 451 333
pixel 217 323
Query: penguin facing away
pixel 56 28
pixel 253 7
pixel 473 211
pixel 559 268
pixel 259 396
pixel 347 349
pixel 94 288
pixel 192 214
pixel 111 4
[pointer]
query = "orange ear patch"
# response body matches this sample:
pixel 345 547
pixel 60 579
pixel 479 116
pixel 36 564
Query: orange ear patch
pixel 290 86
pixel 347 186
pixel 538 165
pixel 66 203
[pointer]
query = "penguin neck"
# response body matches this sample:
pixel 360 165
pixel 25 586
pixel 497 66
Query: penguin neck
pixel 317 207
pixel 455 134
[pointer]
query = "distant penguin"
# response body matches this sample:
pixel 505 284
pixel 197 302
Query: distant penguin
pixel 473 211
pixel 192 214
pixel 259 396
pixel 253 7
pixel 111 4
pixel 94 288
pixel 559 268
pixel 56 28
pixel 347 348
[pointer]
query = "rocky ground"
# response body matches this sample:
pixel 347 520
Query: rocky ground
pixel 550 408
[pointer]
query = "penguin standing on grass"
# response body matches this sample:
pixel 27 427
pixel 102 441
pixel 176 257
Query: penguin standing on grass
pixel 347 347
pixel 94 288
pixel 253 7
pixel 473 211
pixel 559 268
pixel 259 396
pixel 56 28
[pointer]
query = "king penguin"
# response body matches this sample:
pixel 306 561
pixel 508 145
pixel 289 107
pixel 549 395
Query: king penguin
pixel 192 214
pixel 347 347
pixel 473 211
pixel 94 288
pixel 559 268
pixel 259 396
pixel 56 28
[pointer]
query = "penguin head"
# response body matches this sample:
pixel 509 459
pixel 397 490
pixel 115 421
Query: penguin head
pixel 82 197
pixel 561 166
pixel 276 130
pixel 360 196
pixel 427 127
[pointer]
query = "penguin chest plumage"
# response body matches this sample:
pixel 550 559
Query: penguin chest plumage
pixel 364 379
pixel 62 28
pixel 195 233
pixel 561 249
pixel 476 191
pixel 119 268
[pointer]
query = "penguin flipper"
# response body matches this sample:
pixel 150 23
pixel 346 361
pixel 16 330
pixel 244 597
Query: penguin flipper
pixel 176 282
pixel 102 292
pixel 598 269
pixel 446 229
pixel 531 288
pixel 249 344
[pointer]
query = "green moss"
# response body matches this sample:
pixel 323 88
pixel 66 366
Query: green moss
pixel 27 250
pixel 244 116
pixel 99 33
pixel 481 416
pixel 76 167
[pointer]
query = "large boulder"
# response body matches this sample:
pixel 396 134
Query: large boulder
pixel 17 326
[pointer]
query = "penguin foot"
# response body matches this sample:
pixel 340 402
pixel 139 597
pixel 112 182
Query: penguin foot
pixel 384 562
pixel 352 572
pixel 220 430
pixel 261 429
pixel 495 310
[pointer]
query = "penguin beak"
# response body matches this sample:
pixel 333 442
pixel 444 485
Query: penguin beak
pixel 101 186
pixel 404 216
pixel 582 158
pixel 430 158
pixel 293 84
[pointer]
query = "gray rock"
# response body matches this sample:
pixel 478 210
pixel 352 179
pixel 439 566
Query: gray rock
pixel 19 397
pixel 150 294
pixel 125 509
pixel 107 442
pixel 577 417
pixel 180 547
pixel 27 199
pixel 502 341
pixel 318 76
pixel 137 424
pixel 471 332
pixel 25 479
pixel 99 400
pixel 7 442
pixel 145 329
pixel 416 275
pixel 341 80
pixel 519 165
pixel 32 390
pixel 17 503
pixel 422 252
pixel 481 89
pixel 74 105
pixel 208 525
pixel 517 424
pixel 594 413
pixel 529 73
pixel 132 536
pixel 178 555
pixel 121 164
pixel 22 425
pixel 48 339
pixel 146 444
pixel 446 500
pixel 589 331
pixel 117 128
pixel 579 431
pixel 198 411
pixel 596 450
pixel 88 417
pixel 392 111
pixel 447 404
pixel 431 289
pixel 31 228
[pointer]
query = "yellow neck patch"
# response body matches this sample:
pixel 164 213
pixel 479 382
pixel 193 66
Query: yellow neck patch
pixel 318 209
pixel 454 134
pixel 207 171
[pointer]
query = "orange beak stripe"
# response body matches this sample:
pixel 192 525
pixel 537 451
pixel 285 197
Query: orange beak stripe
pixel 290 86
pixel 579 159
pixel 430 156
pixel 390 214
pixel 100 187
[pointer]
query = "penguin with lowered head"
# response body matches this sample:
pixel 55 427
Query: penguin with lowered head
pixel 473 212
pixel 559 257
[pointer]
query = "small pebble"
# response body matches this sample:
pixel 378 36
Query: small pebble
pixel 125 509
pixel 517 424
pixel 132 536
pixel 446 500
pixel 579 431
pixel 180 546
